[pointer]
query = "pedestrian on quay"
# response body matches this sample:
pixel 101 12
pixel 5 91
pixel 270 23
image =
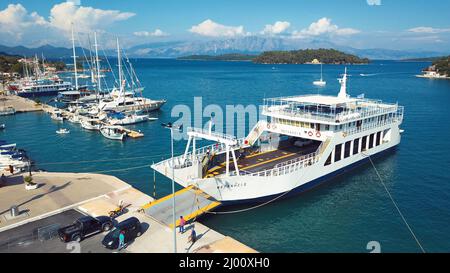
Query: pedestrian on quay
pixel 182 224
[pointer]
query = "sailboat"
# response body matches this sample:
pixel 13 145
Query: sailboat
pixel 123 100
pixel 320 82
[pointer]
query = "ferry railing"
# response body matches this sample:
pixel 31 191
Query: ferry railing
pixel 375 124
pixel 183 161
pixel 345 116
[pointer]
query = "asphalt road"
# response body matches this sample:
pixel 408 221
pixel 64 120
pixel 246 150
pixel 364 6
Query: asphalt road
pixel 40 237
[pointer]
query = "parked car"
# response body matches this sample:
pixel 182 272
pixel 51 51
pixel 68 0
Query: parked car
pixel 84 227
pixel 303 142
pixel 131 228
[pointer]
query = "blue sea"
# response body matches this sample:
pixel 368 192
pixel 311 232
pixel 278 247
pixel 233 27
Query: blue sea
pixel 342 216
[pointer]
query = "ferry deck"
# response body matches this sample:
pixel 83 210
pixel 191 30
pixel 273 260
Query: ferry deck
pixel 251 160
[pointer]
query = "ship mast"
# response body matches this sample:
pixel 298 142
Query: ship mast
pixel 120 67
pixel 343 82
pixel 74 60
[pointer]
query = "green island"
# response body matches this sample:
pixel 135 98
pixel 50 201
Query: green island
pixel 307 56
pixel 325 56
pixel 222 57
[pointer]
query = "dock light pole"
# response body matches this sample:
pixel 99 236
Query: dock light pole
pixel 179 128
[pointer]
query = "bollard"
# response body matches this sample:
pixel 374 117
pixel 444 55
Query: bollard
pixel 14 211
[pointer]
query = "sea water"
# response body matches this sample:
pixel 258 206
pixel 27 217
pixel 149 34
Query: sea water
pixel 344 215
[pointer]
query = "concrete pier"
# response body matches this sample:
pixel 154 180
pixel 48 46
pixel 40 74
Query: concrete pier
pixel 95 195
pixel 21 105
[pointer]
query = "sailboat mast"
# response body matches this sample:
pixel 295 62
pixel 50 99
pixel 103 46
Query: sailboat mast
pixel 99 84
pixel 74 60
pixel 120 66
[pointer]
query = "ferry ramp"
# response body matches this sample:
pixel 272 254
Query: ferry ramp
pixel 190 203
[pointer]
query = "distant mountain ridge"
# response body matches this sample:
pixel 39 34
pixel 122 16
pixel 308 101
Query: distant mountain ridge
pixel 250 45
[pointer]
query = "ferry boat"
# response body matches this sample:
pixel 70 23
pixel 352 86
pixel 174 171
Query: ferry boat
pixel 39 87
pixel 305 141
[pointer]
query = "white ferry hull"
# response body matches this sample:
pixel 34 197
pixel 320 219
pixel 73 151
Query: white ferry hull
pixel 244 189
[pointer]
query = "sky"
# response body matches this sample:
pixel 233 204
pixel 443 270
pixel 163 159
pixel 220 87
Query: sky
pixel 392 24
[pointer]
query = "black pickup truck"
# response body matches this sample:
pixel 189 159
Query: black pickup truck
pixel 84 227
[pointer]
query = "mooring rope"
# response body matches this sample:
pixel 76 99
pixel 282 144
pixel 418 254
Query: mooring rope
pixel 396 206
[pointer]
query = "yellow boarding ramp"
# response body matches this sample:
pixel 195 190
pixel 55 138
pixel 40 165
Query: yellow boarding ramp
pixel 190 203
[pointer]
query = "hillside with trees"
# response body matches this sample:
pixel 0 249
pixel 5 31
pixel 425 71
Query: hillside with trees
pixel 442 65
pixel 11 64
pixel 326 56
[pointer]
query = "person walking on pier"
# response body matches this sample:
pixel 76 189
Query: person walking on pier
pixel 182 224
pixel 121 240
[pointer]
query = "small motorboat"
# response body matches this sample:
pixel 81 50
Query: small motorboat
pixel 6 111
pixel 113 132
pixel 57 115
pixel 130 119
pixel 2 126
pixel 62 131
pixel 91 124
pixel 74 118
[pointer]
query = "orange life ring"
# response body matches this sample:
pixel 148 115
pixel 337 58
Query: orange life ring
pixel 318 134
pixel 268 125
pixel 310 133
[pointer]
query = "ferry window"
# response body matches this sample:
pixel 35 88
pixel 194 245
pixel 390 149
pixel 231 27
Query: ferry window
pixel 364 143
pixel 328 162
pixel 356 146
pixel 378 138
pixel 327 127
pixel 312 125
pixel 337 153
pixel 347 149
pixel 371 138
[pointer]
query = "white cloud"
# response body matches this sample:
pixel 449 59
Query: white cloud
pixel 212 29
pixel 19 26
pixel 277 28
pixel 428 30
pixel 374 2
pixel 85 19
pixel 156 33
pixel 323 27
pixel 15 19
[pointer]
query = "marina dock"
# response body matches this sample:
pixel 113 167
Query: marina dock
pixel 66 114
pixel 64 195
pixel 21 105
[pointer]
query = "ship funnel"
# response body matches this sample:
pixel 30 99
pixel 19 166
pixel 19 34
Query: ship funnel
pixel 343 82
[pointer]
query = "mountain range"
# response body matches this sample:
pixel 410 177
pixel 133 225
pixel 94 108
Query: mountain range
pixel 244 45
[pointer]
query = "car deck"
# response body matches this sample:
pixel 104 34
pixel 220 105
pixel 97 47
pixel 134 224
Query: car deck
pixel 263 160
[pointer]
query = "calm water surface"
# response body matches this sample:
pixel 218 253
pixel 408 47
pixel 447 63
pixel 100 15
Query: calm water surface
pixel 341 216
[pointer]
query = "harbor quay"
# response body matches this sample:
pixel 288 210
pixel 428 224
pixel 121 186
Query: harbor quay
pixel 20 105
pixel 61 198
